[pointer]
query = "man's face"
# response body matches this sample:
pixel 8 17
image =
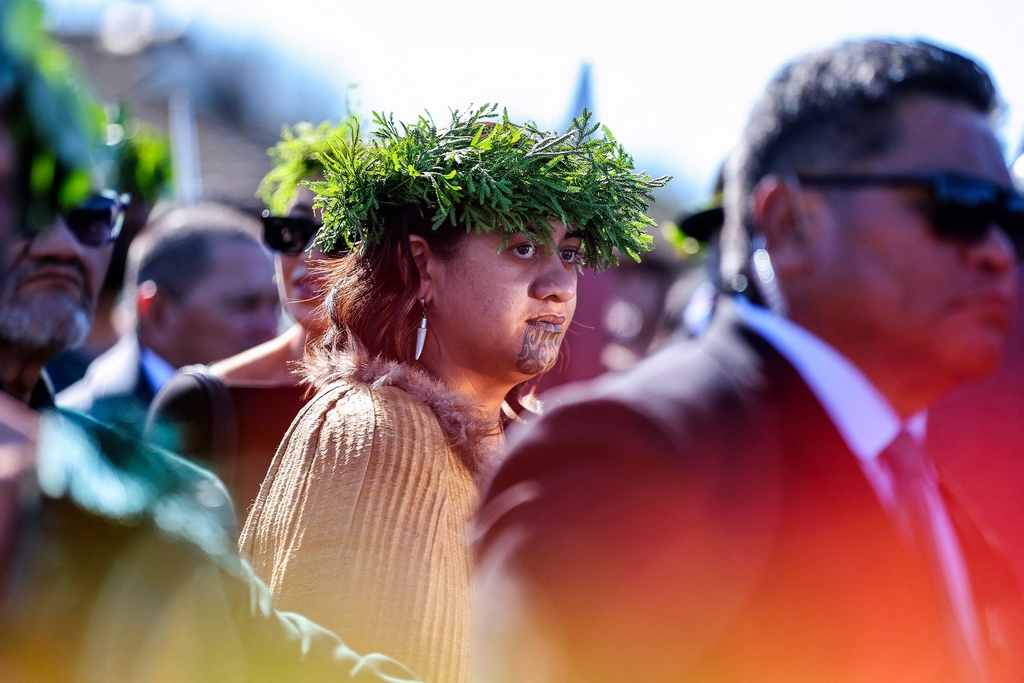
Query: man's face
pixel 48 284
pixel 919 313
pixel 233 307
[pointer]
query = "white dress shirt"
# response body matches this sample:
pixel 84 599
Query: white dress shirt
pixel 156 369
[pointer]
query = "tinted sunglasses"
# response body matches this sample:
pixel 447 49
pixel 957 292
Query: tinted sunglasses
pixel 960 207
pixel 99 219
pixel 293 235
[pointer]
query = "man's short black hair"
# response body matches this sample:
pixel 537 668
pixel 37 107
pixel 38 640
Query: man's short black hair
pixel 835 106
pixel 174 250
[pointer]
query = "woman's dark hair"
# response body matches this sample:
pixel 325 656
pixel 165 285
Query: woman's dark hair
pixel 372 294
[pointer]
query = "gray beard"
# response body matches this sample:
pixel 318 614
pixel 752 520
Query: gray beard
pixel 56 325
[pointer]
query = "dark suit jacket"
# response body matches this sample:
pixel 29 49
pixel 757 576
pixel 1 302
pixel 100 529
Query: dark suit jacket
pixel 114 389
pixel 699 518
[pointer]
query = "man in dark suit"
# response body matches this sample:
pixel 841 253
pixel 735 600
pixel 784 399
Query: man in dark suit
pixel 203 289
pixel 755 505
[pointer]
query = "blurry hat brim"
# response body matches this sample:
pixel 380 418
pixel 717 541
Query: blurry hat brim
pixel 703 225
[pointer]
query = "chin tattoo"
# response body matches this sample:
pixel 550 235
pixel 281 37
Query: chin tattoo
pixel 539 351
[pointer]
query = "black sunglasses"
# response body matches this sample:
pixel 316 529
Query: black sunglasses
pixel 961 207
pixel 288 234
pixel 97 220
pixel 293 235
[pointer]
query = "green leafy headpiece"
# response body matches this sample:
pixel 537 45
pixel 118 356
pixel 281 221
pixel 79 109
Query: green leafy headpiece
pixel 488 174
pixel 139 158
pixel 295 158
pixel 55 125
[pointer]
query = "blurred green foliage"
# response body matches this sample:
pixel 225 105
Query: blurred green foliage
pixel 56 126
pixel 139 157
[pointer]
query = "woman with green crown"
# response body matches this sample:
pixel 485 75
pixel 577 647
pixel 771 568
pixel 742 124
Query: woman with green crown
pixel 460 285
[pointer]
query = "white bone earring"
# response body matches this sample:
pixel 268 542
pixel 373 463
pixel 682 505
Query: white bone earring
pixel 421 332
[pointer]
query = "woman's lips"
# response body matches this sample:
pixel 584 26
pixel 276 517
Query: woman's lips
pixel 548 323
pixel 306 288
pixel 302 291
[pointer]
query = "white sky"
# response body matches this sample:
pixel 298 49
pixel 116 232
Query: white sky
pixel 672 80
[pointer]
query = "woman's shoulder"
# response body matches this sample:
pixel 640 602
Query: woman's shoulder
pixel 189 384
pixel 402 401
pixel 352 436
pixel 268 363
pixel 347 375
pixel 382 402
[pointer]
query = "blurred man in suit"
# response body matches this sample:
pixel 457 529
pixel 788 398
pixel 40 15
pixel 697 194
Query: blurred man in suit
pixel 202 285
pixel 756 505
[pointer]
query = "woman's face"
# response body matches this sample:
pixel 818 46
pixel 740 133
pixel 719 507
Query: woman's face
pixel 500 316
pixel 300 291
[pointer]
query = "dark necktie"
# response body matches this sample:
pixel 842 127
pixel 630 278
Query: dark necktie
pixel 919 516
pixel 911 478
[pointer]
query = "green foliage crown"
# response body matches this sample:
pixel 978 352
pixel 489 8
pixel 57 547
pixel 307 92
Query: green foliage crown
pixel 296 158
pixel 488 174
pixel 56 125
pixel 140 158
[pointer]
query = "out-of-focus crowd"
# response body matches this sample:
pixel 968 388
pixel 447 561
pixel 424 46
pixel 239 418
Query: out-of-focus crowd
pixel 308 445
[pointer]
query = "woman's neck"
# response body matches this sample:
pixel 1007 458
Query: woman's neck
pixel 490 398
pixel 484 392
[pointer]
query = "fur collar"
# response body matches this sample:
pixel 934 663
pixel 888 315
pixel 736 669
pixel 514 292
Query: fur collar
pixel 466 430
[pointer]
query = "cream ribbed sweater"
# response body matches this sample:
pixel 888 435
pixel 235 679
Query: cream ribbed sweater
pixel 362 521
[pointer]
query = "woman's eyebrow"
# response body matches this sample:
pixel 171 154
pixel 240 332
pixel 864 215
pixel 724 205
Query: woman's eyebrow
pixel 574 234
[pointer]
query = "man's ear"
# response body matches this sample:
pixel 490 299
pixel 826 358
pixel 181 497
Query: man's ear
pixel 152 313
pixel 426 264
pixel 783 215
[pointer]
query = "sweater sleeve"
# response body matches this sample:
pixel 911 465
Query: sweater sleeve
pixel 361 525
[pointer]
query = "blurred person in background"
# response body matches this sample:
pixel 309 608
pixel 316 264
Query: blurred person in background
pixel 670 293
pixel 690 301
pixel 140 159
pixel 202 289
pixel 232 415
pixel 114 563
pixel 756 503
pixel 985 420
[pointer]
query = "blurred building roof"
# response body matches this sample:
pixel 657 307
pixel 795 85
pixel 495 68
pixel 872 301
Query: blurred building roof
pixel 231 160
